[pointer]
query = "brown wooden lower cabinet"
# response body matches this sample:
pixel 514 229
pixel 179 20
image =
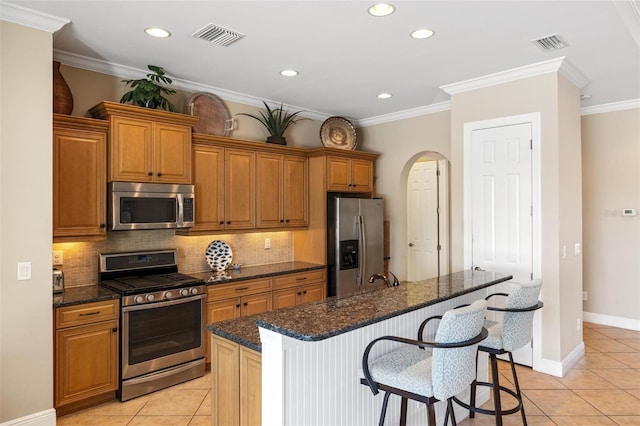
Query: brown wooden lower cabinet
pixel 298 295
pixel 86 353
pixel 236 384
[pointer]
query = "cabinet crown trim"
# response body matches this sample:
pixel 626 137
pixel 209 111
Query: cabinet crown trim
pixel 105 109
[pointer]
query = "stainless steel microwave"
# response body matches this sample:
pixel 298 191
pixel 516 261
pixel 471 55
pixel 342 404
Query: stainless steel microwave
pixel 135 205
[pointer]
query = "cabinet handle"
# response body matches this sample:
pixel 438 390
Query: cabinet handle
pixel 114 329
pixel 281 221
pixel 221 222
pixel 159 174
pixel 304 292
pixel 299 293
pixel 150 174
pixel 102 226
pixel 242 288
pixel 301 278
pixel 246 303
pixel 86 314
pixel 238 305
pixel 287 220
pixel 228 222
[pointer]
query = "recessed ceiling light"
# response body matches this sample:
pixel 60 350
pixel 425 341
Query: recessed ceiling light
pixel 157 32
pixel 384 95
pixel 381 9
pixel 422 33
pixel 289 73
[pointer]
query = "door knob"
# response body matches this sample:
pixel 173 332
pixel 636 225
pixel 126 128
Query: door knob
pixel 410 244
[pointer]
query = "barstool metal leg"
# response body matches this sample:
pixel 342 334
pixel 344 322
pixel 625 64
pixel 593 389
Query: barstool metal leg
pixel 403 412
pixel 515 381
pixel 431 414
pixel 384 408
pixel 450 410
pixel 496 389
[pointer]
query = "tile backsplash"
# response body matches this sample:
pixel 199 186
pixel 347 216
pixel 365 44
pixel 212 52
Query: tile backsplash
pixel 81 260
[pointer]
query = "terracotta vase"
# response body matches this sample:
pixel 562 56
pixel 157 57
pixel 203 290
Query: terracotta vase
pixel 62 98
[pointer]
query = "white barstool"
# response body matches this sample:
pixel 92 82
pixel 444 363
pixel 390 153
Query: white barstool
pixel 429 371
pixel 513 332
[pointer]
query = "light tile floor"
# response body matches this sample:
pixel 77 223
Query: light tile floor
pixel 602 389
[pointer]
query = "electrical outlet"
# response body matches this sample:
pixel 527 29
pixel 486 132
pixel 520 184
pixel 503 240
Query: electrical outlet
pixel 267 243
pixel 57 257
pixel 585 296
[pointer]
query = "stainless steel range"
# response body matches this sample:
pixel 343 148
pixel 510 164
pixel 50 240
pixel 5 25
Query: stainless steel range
pixel 162 337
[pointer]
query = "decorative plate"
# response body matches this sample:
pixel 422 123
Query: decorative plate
pixel 338 132
pixel 214 116
pixel 218 255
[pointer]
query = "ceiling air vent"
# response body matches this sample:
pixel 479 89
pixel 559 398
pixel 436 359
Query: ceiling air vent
pixel 218 35
pixel 549 43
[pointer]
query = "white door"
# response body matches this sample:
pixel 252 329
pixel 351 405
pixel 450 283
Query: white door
pixel 422 224
pixel 502 206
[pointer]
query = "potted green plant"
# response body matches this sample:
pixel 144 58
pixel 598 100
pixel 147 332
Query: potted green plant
pixel 148 92
pixel 276 121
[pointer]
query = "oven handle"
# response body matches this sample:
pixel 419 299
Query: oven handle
pixel 162 304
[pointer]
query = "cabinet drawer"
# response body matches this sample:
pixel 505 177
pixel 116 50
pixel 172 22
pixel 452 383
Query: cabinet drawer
pixel 241 288
pixel 299 279
pixel 87 313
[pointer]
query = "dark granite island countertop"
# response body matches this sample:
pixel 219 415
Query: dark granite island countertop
pixel 333 316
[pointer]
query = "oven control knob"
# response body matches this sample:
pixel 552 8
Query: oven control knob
pixel 193 290
pixel 184 292
pixel 168 295
pixel 150 297
pixel 138 299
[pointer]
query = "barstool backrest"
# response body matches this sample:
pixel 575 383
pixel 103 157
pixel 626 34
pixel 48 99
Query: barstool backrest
pixel 453 369
pixel 517 327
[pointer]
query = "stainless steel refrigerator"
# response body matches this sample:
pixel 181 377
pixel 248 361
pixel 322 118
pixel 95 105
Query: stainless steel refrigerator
pixel 354 243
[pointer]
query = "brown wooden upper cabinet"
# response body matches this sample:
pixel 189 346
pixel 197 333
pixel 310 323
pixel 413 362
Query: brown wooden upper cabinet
pixel 349 174
pixel 281 191
pixel 224 181
pixel 147 145
pixel 79 178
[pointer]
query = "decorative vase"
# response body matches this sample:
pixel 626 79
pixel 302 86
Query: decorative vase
pixel 62 98
pixel 280 140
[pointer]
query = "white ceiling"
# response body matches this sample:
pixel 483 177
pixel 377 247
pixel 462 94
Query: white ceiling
pixel 345 56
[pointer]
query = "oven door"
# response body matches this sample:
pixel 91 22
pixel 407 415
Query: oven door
pixel 161 335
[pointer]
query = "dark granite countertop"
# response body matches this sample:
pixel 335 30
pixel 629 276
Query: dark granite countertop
pixel 84 294
pixel 95 293
pixel 252 272
pixel 333 316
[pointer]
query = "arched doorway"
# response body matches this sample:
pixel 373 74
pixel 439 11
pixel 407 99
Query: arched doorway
pixel 428 217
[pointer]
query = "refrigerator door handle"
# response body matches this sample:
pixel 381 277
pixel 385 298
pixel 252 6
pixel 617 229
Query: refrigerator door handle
pixel 362 249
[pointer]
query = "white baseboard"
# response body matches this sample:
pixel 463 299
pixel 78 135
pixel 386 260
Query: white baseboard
pixel 560 369
pixel 42 418
pixel 610 320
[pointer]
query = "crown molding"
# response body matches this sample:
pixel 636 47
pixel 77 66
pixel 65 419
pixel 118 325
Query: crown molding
pixel 117 70
pixel 612 107
pixel 629 11
pixel 560 65
pixel 408 113
pixel 31 18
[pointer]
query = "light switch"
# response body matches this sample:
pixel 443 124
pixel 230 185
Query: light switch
pixel 24 271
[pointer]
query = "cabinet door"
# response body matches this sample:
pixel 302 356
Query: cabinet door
pixel 250 387
pixel 338 174
pixel 295 191
pixel 312 292
pixel 256 304
pixel 361 175
pixel 269 194
pixel 240 189
pixel 86 361
pixel 225 386
pixel 208 181
pixel 79 183
pixel 131 150
pixel 285 298
pixel 171 153
pixel 220 311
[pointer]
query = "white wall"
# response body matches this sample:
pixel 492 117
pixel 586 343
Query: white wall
pixel 611 182
pixel 26 344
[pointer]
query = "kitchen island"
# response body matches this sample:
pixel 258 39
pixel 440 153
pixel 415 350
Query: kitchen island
pixel 311 354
